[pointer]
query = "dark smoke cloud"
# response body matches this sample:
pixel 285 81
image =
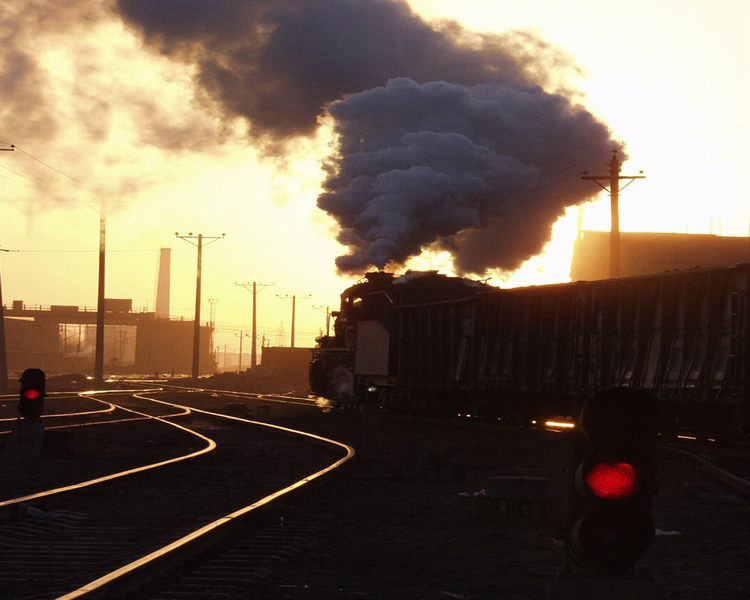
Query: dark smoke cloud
pixel 69 116
pixel 445 136
pixel 279 63
pixel 457 165
pixel 26 111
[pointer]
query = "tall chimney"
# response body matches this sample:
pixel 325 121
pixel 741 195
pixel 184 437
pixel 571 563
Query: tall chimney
pixel 162 287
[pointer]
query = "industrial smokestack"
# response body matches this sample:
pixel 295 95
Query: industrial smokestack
pixel 162 288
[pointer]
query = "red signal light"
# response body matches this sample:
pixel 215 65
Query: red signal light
pixel 613 481
pixel 31 394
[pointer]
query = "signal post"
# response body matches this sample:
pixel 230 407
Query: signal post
pixel 609 522
pixel 25 445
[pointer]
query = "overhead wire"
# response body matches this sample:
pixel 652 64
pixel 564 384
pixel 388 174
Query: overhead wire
pixel 40 161
pixel 15 173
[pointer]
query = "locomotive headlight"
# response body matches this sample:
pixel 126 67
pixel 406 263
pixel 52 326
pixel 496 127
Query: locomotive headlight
pixel 372 389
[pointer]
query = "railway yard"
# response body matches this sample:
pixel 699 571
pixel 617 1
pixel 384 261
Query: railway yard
pixel 403 512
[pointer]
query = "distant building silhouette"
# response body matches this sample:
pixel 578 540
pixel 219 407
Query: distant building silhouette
pixel 645 253
pixel 61 339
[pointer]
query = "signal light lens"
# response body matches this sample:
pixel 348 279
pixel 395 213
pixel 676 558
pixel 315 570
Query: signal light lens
pixel 613 481
pixel 31 394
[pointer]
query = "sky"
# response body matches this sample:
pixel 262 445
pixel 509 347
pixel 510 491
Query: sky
pixel 114 109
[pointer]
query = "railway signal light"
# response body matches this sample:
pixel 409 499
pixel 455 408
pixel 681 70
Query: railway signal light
pixel 32 393
pixel 609 513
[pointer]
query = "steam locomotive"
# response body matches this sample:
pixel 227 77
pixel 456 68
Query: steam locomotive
pixel 431 344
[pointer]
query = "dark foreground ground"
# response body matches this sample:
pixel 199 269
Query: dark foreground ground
pixel 402 521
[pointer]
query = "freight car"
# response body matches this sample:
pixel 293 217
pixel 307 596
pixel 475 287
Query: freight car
pixel 427 343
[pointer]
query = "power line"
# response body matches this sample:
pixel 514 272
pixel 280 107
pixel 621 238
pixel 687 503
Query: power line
pixel 559 179
pixel 14 173
pixel 40 161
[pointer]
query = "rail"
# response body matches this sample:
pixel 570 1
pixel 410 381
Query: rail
pixel 134 568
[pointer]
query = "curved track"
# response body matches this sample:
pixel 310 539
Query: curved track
pixel 152 559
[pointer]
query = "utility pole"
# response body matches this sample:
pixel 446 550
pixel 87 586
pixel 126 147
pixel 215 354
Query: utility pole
pixel 241 334
pixel 3 357
pixel 212 310
pixel 197 323
pixel 99 352
pixel 253 353
pixel 328 316
pixel 285 298
pixel 614 178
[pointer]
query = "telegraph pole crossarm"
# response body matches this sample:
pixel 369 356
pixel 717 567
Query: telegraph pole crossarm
pixel 197 323
pixel 294 299
pixel 614 178
pixel 254 290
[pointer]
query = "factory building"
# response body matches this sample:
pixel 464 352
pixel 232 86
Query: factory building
pixel 61 339
pixel 646 253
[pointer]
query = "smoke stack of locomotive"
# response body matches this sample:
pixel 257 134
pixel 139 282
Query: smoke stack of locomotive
pixel 445 138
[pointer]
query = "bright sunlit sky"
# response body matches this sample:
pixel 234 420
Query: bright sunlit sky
pixel 669 78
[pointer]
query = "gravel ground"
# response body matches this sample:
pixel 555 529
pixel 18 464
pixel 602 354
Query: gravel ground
pixel 397 525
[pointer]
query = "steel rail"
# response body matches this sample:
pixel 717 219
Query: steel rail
pixel 280 398
pixel 738 484
pixel 72 394
pixel 211 444
pixel 111 422
pixel 106 580
pixel 75 414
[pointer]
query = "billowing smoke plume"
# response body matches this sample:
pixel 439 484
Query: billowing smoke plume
pixel 445 137
pixel 462 166
pixel 278 63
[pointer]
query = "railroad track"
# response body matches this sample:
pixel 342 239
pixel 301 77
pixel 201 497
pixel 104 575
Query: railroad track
pixel 287 399
pixel 730 466
pixel 57 552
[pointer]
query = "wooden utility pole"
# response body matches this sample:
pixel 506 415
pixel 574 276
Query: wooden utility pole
pixel 241 334
pixel 614 178
pixel 3 357
pixel 294 309
pixel 255 290
pixel 197 323
pixel 328 316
